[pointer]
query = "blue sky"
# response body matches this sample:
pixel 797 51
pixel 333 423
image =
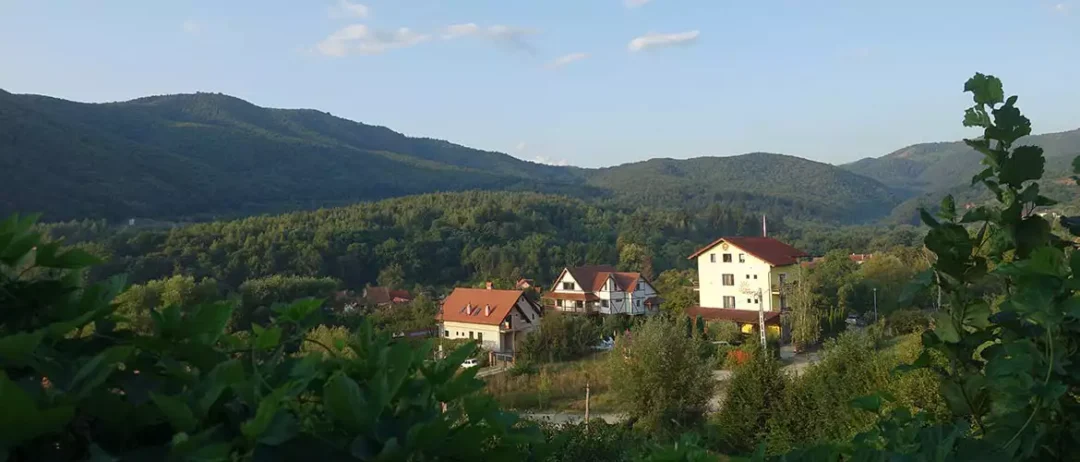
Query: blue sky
pixel 587 82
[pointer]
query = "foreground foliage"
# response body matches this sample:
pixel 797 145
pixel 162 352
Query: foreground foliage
pixel 73 386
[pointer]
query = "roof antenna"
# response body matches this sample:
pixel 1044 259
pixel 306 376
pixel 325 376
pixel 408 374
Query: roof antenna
pixel 764 229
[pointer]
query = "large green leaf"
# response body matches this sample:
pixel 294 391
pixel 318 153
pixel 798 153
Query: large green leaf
pixel 985 89
pixel 344 400
pixel 18 348
pixel 945 327
pixel 266 339
pixel 207 322
pixel 1025 164
pixel 21 419
pixel 176 410
pixel 95 371
pixel 269 406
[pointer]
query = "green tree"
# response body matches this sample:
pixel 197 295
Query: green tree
pixel 139 300
pixel 752 399
pixel 676 288
pixel 657 373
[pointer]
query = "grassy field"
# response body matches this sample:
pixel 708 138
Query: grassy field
pixel 556 387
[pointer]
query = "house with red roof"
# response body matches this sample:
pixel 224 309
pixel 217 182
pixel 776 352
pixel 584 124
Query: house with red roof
pixel 602 289
pixel 739 275
pixel 497 319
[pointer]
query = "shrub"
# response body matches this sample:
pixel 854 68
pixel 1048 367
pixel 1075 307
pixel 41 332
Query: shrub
pixel 908 321
pixel 725 331
pixel 191 392
pixel 753 393
pixel 561 337
pixel 657 372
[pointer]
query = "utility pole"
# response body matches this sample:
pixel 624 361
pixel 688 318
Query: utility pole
pixel 875 305
pixel 761 318
pixel 586 405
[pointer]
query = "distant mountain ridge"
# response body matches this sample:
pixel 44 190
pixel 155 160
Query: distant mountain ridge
pixel 931 167
pixel 206 155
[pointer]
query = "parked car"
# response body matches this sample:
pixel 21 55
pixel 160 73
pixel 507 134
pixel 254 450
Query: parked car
pixel 852 319
pixel 604 345
pixel 470 363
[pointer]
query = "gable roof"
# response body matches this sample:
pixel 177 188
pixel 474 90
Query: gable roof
pixel 502 302
pixel 592 278
pixel 774 252
pixel 383 295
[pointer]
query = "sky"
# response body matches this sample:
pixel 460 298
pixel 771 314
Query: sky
pixel 581 82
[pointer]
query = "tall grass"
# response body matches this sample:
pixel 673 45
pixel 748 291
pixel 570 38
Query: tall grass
pixel 556 387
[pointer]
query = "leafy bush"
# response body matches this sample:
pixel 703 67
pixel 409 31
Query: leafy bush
pixel 561 337
pixel 726 331
pixel 908 321
pixel 658 374
pixel 753 396
pixel 74 388
pixel 597 442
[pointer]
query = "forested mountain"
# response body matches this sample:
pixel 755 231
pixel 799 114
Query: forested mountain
pixel 927 172
pixel 935 167
pixel 775 183
pixel 201 154
pixel 210 155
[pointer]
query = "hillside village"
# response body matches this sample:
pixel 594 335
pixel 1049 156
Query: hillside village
pixel 743 280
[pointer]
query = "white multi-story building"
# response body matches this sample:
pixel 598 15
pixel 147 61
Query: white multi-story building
pixel 736 274
pixel 602 289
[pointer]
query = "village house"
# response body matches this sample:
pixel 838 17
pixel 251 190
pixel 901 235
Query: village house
pixel 602 289
pixel 384 296
pixel 498 319
pixel 739 275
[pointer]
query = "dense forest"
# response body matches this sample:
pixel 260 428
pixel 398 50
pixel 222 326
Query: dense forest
pixel 443 239
pixel 210 156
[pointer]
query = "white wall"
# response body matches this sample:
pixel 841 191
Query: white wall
pixel 567 277
pixel 711 289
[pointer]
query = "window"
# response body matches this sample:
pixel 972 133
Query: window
pixel 728 279
pixel 470 334
pixel 446 333
pixel 748 300
pixel 579 304
pixel 558 303
pixel 603 303
pixel 639 303
pixel 742 258
pixel 755 276
pixel 729 302
pixel 712 258
pixel 755 300
pixel 480 336
pixel 727 258
pixel 783 278
pixel 568 286
pixel 747 276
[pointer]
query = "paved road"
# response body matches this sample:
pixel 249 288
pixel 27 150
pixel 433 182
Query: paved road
pixel 491 371
pixel 568 417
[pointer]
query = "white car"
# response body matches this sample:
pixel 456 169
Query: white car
pixel 604 345
pixel 470 363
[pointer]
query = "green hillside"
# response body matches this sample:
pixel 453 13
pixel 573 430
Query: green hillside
pixel 775 182
pixel 934 167
pixel 200 156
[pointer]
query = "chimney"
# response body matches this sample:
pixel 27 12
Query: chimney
pixel 490 285
pixel 764 229
pixel 487 310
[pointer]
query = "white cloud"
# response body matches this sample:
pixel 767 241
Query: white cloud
pixel 547 161
pixel 347 9
pixel 191 27
pixel 460 30
pixel 635 3
pixel 654 40
pixel 521 147
pixel 512 37
pixel 361 39
pixel 1061 8
pixel 567 59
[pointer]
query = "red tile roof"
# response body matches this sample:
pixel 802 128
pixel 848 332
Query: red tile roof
pixel 383 295
pixel 592 278
pixel 727 314
pixel 774 252
pixel 469 305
